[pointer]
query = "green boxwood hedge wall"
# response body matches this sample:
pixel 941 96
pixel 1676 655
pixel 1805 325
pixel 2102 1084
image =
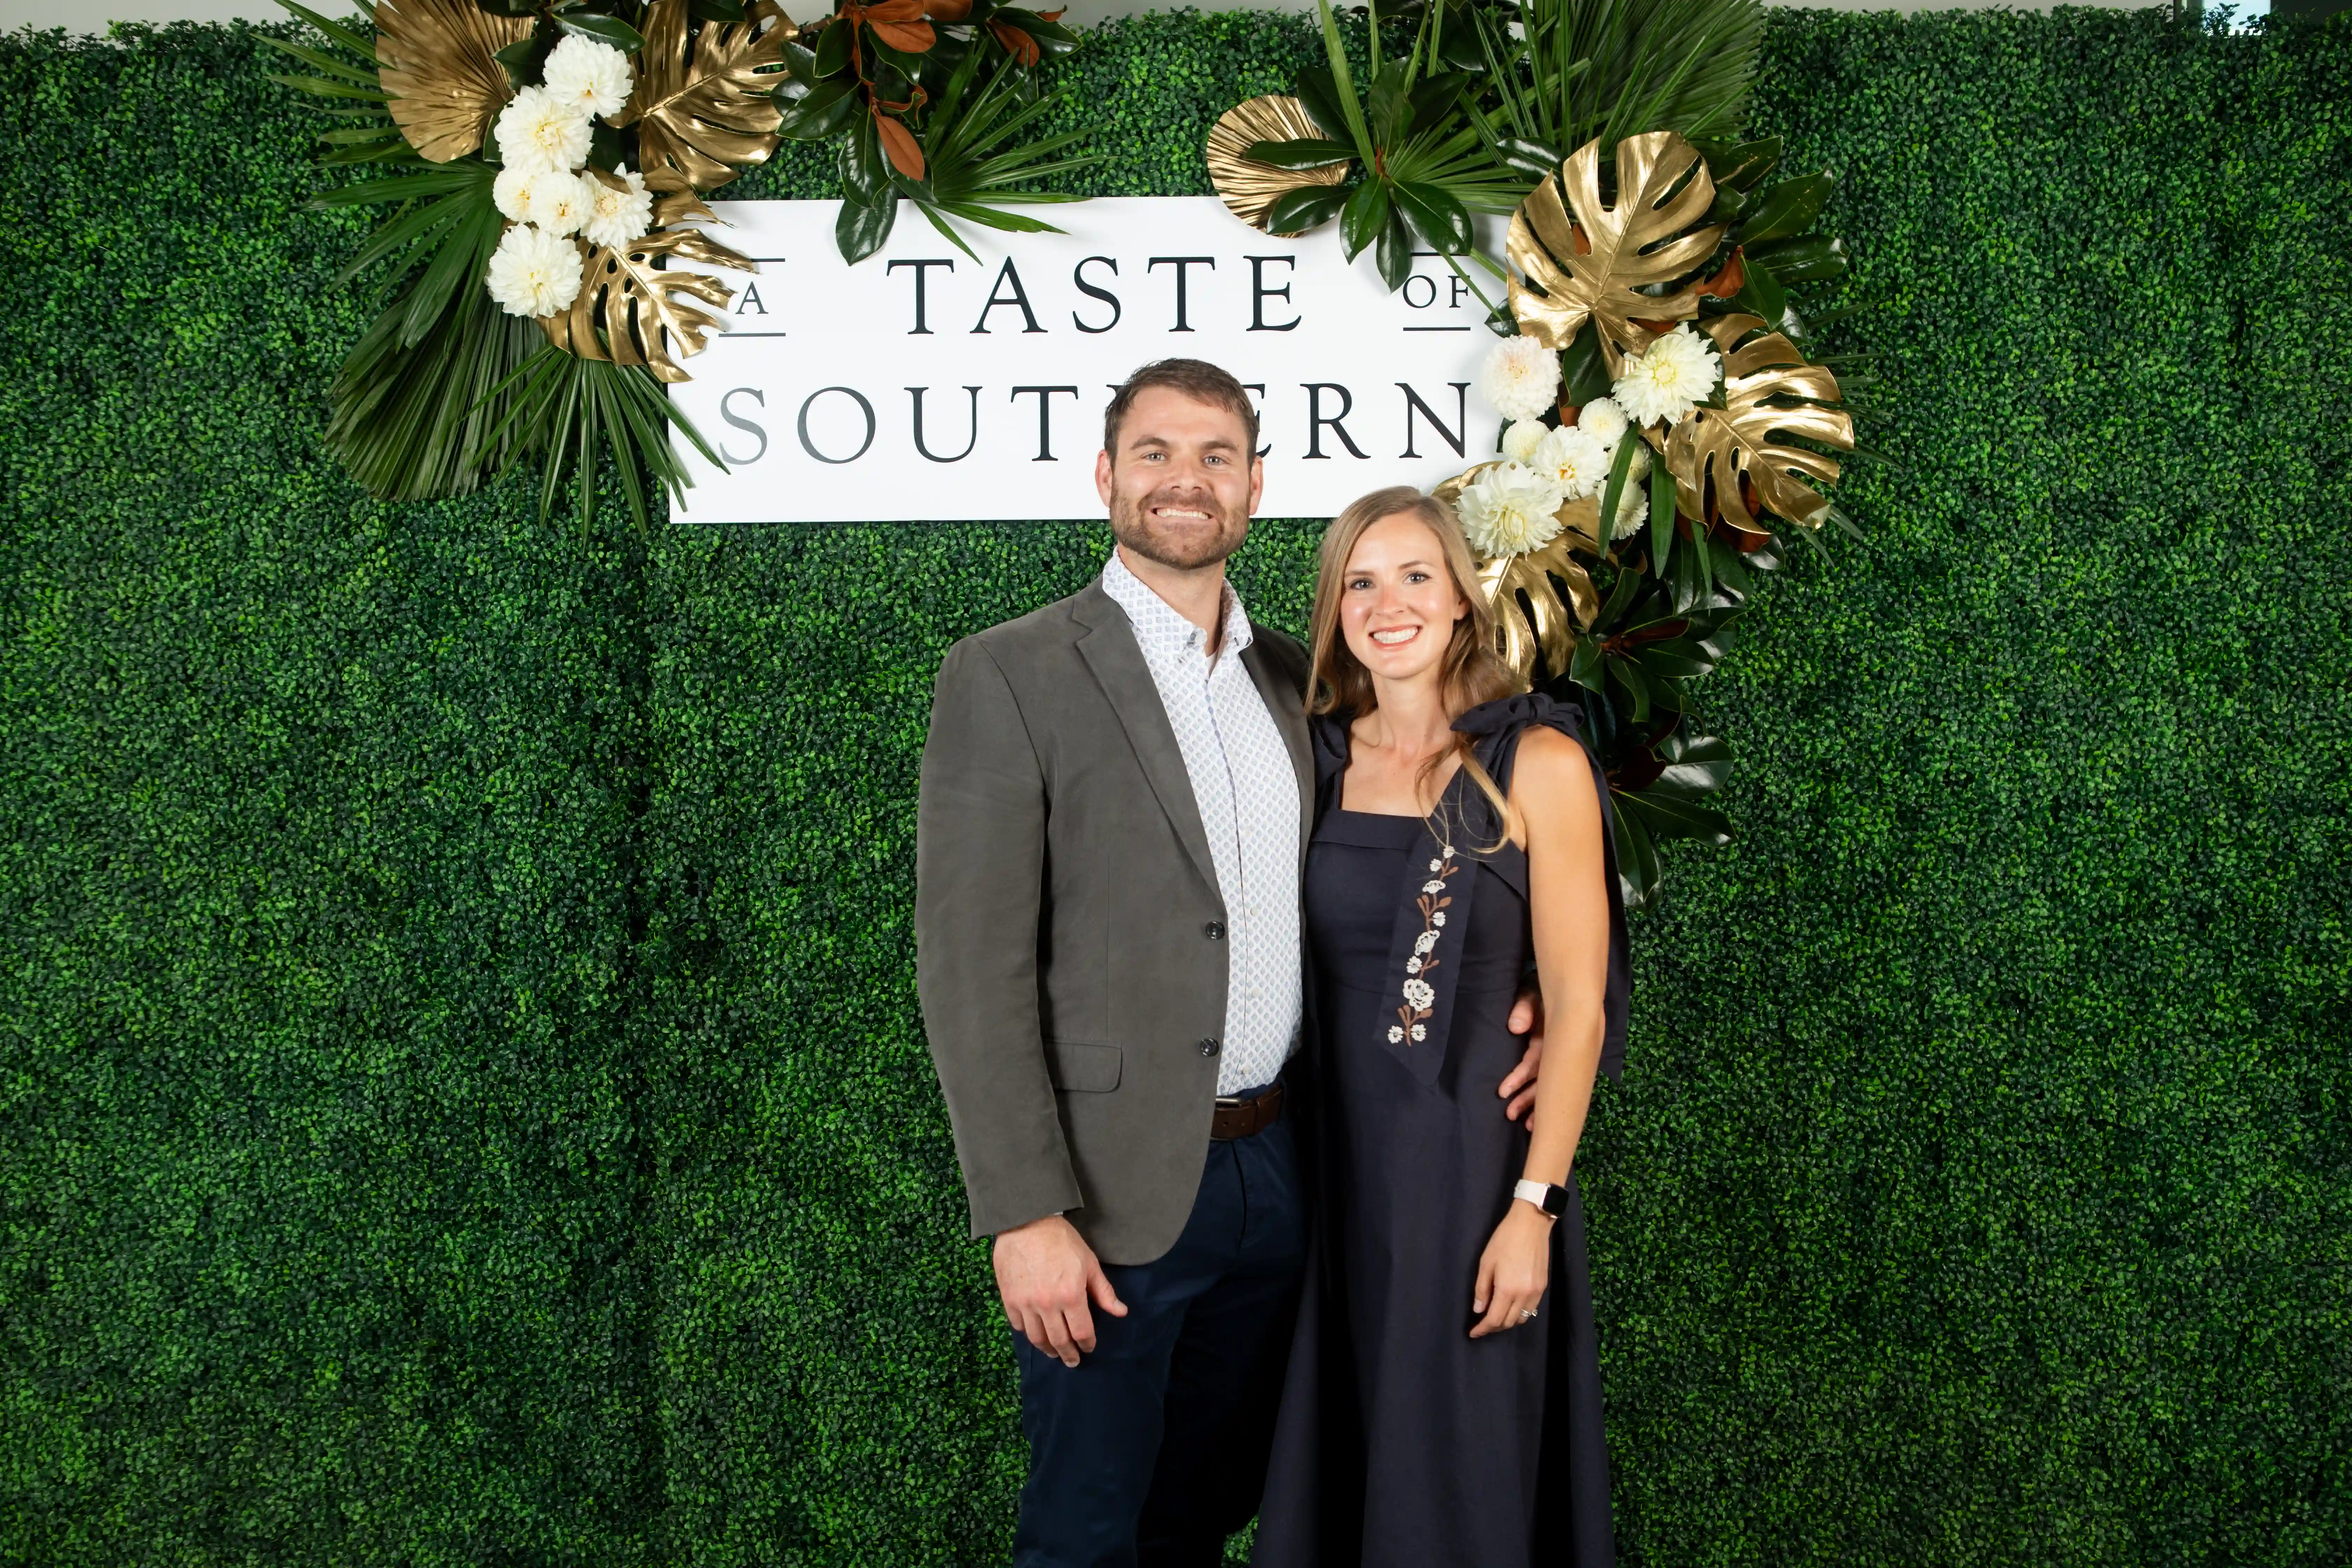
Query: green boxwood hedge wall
pixel 464 1097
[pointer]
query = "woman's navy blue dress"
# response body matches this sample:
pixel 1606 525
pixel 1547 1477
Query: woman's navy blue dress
pixel 1404 1443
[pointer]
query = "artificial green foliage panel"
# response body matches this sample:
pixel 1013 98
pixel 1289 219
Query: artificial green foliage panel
pixel 465 1100
pixel 323 1155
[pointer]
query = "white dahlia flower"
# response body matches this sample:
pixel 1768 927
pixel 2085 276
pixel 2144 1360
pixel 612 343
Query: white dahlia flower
pixel 620 215
pixel 1633 511
pixel 1509 510
pixel 1521 437
pixel 1603 421
pixel 1522 378
pixel 541 130
pixel 533 272
pixel 511 190
pixel 1572 458
pixel 562 202
pixel 592 78
pixel 1667 382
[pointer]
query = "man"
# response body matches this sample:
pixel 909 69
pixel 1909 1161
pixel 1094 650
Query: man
pixel 1116 795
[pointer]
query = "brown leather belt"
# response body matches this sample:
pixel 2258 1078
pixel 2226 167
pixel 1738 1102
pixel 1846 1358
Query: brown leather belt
pixel 1239 1117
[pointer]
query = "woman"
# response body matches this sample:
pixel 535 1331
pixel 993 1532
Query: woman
pixel 1443 1406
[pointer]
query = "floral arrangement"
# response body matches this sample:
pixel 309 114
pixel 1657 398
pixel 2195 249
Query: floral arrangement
pixel 547 160
pixel 1666 419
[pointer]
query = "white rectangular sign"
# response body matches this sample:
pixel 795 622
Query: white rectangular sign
pixel 920 386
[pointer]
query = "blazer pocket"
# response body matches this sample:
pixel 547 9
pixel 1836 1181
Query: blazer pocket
pixel 1077 1068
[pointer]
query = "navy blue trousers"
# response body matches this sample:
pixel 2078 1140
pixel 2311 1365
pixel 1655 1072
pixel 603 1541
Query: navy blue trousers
pixel 1152 1450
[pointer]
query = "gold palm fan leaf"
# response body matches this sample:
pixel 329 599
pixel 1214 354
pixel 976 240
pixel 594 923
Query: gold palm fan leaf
pixel 1747 436
pixel 438 59
pixel 1248 188
pixel 1540 622
pixel 1591 267
pixel 632 310
pixel 703 105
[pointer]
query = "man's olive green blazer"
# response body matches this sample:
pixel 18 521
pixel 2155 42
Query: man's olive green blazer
pixel 1065 902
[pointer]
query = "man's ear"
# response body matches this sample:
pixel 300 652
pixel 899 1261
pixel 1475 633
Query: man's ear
pixel 1257 482
pixel 1102 480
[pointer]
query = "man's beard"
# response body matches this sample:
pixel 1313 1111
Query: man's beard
pixel 1131 525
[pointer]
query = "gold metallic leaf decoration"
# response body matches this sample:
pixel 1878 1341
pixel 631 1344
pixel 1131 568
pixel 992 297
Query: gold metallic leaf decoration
pixel 631 311
pixel 1746 435
pixel 1540 622
pixel 1590 268
pixel 438 61
pixel 702 108
pixel 1249 189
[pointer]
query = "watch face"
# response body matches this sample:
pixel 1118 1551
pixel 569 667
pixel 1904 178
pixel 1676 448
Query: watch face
pixel 1555 1202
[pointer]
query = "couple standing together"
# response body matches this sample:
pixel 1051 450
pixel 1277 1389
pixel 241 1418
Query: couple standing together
pixel 1224 947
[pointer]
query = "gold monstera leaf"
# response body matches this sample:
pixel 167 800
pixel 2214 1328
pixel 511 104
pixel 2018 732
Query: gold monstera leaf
pixel 1248 188
pixel 438 59
pixel 632 310
pixel 1591 267
pixel 703 108
pixel 1748 437
pixel 1540 622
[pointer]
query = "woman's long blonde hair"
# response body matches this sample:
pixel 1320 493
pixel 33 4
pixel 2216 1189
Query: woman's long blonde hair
pixel 1472 673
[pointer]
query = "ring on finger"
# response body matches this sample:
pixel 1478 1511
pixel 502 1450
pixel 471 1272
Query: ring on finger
pixel 1526 1313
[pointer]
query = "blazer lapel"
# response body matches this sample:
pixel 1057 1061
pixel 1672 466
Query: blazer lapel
pixel 1289 710
pixel 1110 650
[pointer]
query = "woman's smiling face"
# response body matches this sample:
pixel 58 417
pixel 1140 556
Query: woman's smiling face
pixel 1398 604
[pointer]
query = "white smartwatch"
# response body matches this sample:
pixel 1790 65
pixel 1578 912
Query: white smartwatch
pixel 1548 1197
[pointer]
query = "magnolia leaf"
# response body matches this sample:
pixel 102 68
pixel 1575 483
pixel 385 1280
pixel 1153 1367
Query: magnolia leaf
pixel 1593 268
pixel 704 106
pixel 1713 451
pixel 440 64
pixel 1250 188
pixel 632 310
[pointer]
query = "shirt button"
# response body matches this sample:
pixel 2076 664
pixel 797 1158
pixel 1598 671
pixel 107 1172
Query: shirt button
pixel 1214 930
pixel 1209 1046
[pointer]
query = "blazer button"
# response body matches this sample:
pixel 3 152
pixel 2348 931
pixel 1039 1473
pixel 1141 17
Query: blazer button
pixel 1214 930
pixel 1209 1046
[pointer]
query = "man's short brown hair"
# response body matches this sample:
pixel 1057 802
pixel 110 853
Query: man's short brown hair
pixel 1196 379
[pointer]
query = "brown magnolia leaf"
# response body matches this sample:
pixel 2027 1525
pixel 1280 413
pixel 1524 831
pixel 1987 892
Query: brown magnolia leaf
pixel 1591 268
pixel 906 154
pixel 1249 189
pixel 438 59
pixel 632 310
pixel 702 106
pixel 1725 454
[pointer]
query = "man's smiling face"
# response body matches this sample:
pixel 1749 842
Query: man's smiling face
pixel 1184 483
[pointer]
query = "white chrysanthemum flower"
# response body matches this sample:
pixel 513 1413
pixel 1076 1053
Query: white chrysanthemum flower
pixel 562 202
pixel 1603 421
pixel 1396 1033
pixel 511 190
pixel 1572 460
pixel 539 130
pixel 1509 510
pixel 1668 381
pixel 1420 1032
pixel 592 78
pixel 533 272
pixel 1633 511
pixel 1412 965
pixel 1522 378
pixel 1520 439
pixel 620 215
pixel 1419 995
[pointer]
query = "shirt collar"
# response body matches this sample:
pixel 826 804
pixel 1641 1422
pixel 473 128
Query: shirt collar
pixel 1147 612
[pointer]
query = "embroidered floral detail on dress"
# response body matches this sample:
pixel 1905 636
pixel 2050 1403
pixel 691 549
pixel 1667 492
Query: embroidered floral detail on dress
pixel 1420 996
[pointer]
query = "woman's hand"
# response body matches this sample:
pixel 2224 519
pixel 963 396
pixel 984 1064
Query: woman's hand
pixel 1513 1270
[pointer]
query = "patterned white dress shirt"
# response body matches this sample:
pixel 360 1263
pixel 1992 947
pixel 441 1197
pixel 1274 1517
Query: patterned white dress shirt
pixel 1247 791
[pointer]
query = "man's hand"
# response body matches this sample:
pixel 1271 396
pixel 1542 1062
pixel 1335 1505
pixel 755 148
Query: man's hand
pixel 1520 1086
pixel 1046 1274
